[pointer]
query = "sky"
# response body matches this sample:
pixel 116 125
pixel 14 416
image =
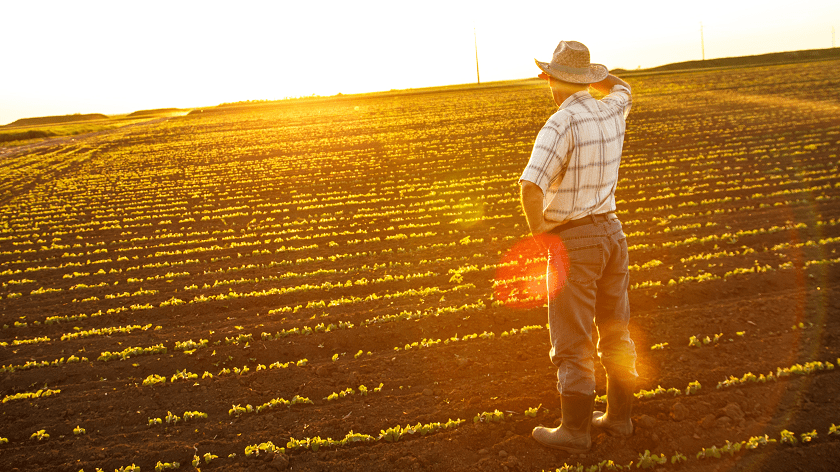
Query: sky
pixel 113 57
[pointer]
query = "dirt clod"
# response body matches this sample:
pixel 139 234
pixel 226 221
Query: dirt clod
pixel 679 412
pixel 646 421
pixel 280 462
pixel 733 410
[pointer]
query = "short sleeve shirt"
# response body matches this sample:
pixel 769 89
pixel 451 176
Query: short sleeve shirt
pixel 577 154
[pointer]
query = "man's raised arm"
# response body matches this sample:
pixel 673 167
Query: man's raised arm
pixel 607 84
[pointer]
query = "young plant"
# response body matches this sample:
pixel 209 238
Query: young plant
pixel 731 448
pixel 154 379
pixel 532 412
pixel 788 437
pixel 189 415
pixel 171 419
pixel 266 447
pixel 495 416
pixel 693 387
pixel 709 453
pixel 756 441
pixel 161 466
pixel 807 437
pixel 650 461
pixel 344 393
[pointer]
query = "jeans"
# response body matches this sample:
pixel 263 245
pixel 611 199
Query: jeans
pixel 587 280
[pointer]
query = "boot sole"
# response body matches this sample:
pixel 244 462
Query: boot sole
pixel 611 432
pixel 614 434
pixel 564 448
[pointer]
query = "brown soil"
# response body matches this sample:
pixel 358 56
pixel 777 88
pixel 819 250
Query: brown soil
pixel 457 380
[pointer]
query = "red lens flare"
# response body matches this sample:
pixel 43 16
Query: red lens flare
pixel 521 276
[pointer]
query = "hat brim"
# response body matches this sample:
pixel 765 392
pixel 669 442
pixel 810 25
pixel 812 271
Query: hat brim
pixel 596 73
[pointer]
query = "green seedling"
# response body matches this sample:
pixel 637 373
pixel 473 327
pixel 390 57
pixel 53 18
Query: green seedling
pixel 266 447
pixel 709 453
pixel 190 415
pixel 693 387
pixel 532 412
pixel 731 448
pixel 788 437
pixel 756 441
pixel 154 379
pixel 171 419
pixel 161 466
pixel 495 416
pixel 650 461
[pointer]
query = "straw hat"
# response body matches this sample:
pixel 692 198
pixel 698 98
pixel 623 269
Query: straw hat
pixel 570 63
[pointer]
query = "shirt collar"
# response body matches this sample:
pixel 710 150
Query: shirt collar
pixel 573 98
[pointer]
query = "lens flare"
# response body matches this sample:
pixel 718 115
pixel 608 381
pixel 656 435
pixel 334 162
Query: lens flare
pixel 521 276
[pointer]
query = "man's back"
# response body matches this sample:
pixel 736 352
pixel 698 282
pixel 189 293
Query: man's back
pixel 577 154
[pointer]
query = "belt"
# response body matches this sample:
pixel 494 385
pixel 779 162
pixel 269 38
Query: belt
pixel 586 220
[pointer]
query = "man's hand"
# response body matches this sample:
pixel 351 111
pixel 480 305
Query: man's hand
pixel 608 83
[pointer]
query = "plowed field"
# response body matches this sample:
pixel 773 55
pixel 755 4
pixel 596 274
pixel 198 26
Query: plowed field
pixel 347 283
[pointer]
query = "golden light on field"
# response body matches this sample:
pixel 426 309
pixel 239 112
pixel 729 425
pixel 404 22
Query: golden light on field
pixel 114 57
pixel 521 280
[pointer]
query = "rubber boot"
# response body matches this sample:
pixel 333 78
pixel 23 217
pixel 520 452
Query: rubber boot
pixel 573 434
pixel 616 421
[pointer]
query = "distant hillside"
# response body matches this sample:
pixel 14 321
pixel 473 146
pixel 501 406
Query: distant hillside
pixel 807 55
pixel 51 120
pixel 152 112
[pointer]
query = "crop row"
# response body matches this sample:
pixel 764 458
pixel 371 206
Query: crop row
pixel 405 315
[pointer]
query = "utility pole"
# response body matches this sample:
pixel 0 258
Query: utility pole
pixel 702 46
pixel 832 37
pixel 475 38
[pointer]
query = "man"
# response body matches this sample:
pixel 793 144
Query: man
pixel 568 196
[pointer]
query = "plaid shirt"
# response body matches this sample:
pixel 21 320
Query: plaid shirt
pixel 577 153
